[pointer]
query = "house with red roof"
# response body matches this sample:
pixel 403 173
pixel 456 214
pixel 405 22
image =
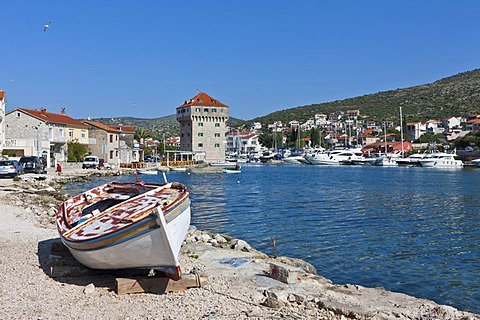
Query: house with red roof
pixel 37 132
pixel 114 144
pixel 243 142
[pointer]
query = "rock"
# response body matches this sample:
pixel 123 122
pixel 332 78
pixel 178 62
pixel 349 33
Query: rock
pixel 220 239
pixel 285 273
pixel 205 237
pixel 89 289
pixel 241 245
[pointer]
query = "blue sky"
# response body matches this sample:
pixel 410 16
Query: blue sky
pixel 144 58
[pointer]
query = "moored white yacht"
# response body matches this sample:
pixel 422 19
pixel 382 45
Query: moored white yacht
pixel 386 161
pixel 333 157
pixel 441 160
pixel 412 160
pixel 476 163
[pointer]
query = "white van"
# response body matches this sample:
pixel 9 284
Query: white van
pixel 91 162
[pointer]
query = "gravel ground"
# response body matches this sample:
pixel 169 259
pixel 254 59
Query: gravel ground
pixel 28 292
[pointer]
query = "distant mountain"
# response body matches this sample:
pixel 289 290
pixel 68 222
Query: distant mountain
pixel 457 95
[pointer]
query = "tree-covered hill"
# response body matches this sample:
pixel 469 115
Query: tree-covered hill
pixel 457 95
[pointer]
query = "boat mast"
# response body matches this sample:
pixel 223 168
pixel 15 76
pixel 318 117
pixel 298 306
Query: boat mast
pixel 385 134
pixel 401 131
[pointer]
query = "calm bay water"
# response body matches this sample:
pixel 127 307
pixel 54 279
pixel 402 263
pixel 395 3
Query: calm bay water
pixel 410 230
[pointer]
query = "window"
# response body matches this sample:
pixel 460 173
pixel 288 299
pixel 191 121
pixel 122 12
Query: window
pixel 200 145
pixel 70 133
pixel 197 109
pixel 111 154
pixel 217 125
pixel 217 145
pixel 214 110
pixel 84 134
pixel 217 135
pixel 200 124
pixel 111 138
pixel 205 109
pixel 200 134
pixel 62 133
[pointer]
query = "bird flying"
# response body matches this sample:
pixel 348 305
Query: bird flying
pixel 46 26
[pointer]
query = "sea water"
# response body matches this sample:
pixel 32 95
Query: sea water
pixel 406 229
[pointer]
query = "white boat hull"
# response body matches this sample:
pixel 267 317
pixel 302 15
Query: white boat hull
pixel 148 172
pixel 158 248
pixel 441 164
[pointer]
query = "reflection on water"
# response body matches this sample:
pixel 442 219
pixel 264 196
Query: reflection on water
pixel 412 230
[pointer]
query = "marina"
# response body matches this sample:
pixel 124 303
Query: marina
pixel 406 229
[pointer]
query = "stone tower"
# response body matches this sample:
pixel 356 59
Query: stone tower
pixel 203 125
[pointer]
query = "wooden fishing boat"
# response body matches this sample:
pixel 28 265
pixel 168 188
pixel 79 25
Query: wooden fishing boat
pixel 127 225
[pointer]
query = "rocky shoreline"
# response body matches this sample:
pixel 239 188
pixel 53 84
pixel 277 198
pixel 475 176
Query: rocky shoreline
pixel 243 283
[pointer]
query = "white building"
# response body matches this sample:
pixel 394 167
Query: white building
pixel 244 142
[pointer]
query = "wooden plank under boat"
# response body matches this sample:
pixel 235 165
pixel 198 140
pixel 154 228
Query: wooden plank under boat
pixel 127 225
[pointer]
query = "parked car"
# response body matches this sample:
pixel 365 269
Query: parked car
pixel 91 162
pixel 31 164
pixel 10 168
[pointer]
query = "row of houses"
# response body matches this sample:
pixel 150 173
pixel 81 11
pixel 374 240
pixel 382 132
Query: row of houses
pixel 45 134
pixel 37 132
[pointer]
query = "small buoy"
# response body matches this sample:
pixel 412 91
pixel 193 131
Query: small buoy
pixel 188 172
pixel 238 181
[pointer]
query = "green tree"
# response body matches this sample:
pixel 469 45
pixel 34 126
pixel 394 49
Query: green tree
pixel 76 151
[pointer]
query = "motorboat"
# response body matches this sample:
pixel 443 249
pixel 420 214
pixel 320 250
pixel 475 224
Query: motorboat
pixel 293 158
pixel 333 157
pixel 411 160
pixel 476 163
pixel 386 161
pixel 237 169
pixel 441 160
pixel 121 225
pixel 147 172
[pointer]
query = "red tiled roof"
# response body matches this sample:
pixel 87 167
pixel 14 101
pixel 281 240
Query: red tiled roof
pixel 100 125
pixel 43 115
pixel 125 129
pixel 204 100
pixel 2 94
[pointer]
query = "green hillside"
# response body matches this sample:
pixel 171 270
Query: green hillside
pixel 457 95
pixel 453 96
